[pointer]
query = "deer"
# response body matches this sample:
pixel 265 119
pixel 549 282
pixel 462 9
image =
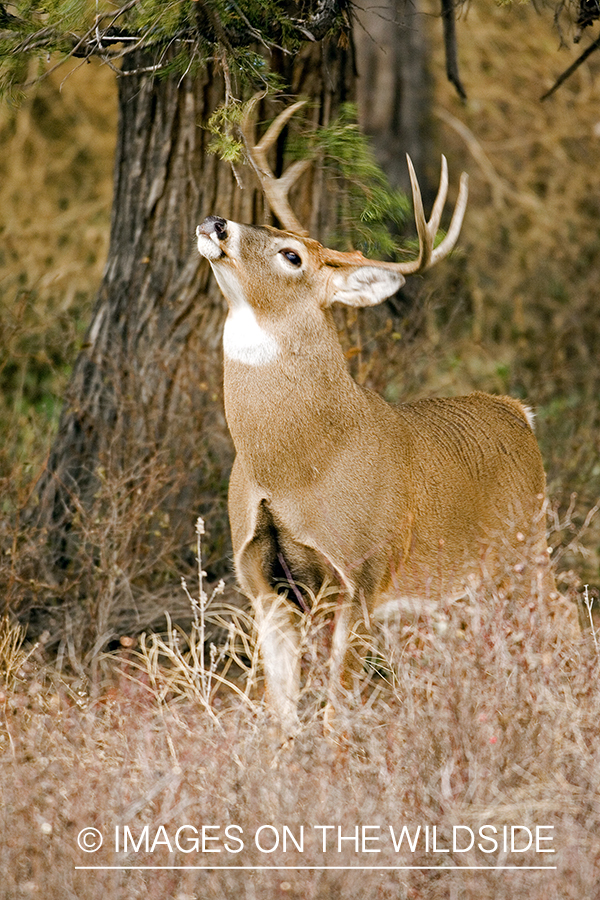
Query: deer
pixel 402 506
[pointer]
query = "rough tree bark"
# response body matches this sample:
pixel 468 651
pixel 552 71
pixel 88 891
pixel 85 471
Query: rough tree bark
pixel 147 374
pixel 146 388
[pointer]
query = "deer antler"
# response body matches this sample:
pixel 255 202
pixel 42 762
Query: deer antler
pixel 427 230
pixel 276 189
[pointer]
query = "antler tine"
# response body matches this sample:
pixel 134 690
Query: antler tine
pixel 425 241
pixel 440 199
pixel 276 127
pixel 427 230
pixel 444 248
pixel 276 189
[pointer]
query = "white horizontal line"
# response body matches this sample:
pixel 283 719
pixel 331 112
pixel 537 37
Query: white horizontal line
pixel 320 868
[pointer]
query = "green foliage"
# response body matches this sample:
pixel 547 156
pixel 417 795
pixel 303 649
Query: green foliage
pixel 31 31
pixel 155 19
pixel 222 125
pixel 13 73
pixel 252 68
pixel 67 15
pixel 370 207
pixel 370 210
pixel 180 36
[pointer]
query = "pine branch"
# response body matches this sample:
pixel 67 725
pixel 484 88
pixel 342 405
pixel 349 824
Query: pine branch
pixel 209 27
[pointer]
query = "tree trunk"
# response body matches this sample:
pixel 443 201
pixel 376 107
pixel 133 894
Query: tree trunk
pixel 394 106
pixel 144 384
pixel 142 447
pixel 393 90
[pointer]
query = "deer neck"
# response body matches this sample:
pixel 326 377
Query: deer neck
pixel 290 401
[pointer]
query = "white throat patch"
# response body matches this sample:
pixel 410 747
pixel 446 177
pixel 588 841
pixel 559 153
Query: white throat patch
pixel 245 341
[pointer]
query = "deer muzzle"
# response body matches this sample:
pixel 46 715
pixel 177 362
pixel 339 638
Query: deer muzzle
pixel 210 234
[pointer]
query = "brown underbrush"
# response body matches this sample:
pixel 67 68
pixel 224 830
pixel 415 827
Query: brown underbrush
pixel 465 765
pixel 528 282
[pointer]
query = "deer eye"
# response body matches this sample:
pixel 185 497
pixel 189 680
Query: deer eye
pixel 292 257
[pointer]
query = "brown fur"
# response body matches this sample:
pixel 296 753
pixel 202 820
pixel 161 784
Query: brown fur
pixel 416 502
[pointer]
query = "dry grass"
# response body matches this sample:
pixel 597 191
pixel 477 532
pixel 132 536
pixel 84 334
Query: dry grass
pixel 490 724
pixel 515 308
pixel 528 282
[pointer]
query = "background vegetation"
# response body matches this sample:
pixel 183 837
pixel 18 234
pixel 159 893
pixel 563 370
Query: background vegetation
pixel 493 723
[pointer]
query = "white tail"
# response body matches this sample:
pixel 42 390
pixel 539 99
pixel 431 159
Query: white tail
pixel 398 504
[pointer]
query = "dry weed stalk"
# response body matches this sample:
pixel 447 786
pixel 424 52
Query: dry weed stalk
pixel 12 654
pixel 589 603
pixel 481 717
pixel 568 523
pixel 176 665
pixel 199 607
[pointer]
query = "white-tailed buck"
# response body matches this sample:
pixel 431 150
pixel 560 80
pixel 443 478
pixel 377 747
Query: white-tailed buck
pixel 399 504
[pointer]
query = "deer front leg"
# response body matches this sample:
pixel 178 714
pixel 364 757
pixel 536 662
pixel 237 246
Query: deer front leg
pixel 277 632
pixel 346 661
pixel 278 644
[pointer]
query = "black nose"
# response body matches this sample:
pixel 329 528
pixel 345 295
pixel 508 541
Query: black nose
pixel 214 225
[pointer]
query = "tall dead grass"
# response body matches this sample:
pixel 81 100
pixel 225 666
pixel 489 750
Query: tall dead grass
pixel 531 239
pixel 515 308
pixel 488 721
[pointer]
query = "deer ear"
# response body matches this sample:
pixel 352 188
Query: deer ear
pixel 364 285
